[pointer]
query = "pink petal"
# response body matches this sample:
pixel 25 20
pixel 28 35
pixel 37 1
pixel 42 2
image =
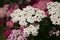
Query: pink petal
pixel 47 13
pixel 7 33
pixel 41 4
pixel 9 24
pixel 6 6
pixel 9 12
pixel 21 28
pixel 16 6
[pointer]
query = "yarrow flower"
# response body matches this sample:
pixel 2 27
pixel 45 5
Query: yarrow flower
pixel 17 35
pixel 16 15
pixel 28 14
pixel 33 14
pixel 32 30
pixel 54 11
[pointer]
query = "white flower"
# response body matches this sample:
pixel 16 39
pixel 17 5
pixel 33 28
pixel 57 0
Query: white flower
pixel 16 12
pixel 33 14
pixel 57 33
pixel 54 10
pixel 15 19
pixel 55 19
pixel 28 14
pixel 53 7
pixel 23 23
pixel 22 18
pixel 32 30
pixel 29 10
pixel 31 19
pixel 39 15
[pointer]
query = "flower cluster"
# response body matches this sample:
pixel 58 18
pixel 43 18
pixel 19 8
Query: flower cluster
pixel 28 14
pixel 51 33
pixel 17 35
pixel 32 30
pixel 54 11
pixel 27 19
pixel 41 4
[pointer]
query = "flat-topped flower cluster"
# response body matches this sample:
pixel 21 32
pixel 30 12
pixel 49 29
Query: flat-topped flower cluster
pixel 54 11
pixel 28 14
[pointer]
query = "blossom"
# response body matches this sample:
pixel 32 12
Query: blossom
pixel 16 6
pixel 6 6
pixel 28 14
pixel 15 19
pixel 57 33
pixel 41 4
pixel 29 9
pixel 22 23
pixel 9 24
pixel 2 13
pixel 33 13
pixel 53 7
pixel 17 35
pixel 16 15
pixel 21 28
pixel 19 38
pixel 9 12
pixel 51 33
pixel 32 30
pixel 7 33
pixel 54 11
pixel 47 13
pixel 30 19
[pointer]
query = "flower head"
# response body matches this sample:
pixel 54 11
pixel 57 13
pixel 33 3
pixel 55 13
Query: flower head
pixel 9 24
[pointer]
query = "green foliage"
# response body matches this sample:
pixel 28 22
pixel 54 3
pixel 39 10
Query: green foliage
pixel 2 28
pixel 16 26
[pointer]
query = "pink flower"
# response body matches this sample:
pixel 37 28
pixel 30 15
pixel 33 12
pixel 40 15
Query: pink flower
pixel 6 6
pixel 23 38
pixel 9 12
pixel 7 33
pixel 2 13
pixel 51 32
pixel 17 35
pixel 41 4
pixel 47 13
pixel 57 33
pixel 16 6
pixel 21 28
pixel 9 24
